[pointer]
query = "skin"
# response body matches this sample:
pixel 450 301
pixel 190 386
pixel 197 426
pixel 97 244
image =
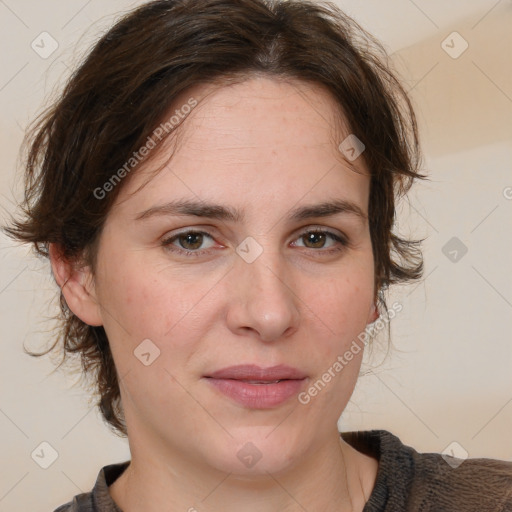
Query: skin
pixel 264 147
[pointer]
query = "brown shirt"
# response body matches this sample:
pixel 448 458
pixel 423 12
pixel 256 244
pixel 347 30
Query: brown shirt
pixel 406 481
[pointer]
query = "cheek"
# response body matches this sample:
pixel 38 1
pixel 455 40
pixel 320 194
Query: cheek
pixel 340 314
pixel 342 304
pixel 152 306
pixel 146 295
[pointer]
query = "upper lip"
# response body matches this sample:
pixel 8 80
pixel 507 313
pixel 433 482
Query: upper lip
pixel 254 372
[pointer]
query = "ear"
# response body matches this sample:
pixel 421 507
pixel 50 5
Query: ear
pixel 77 285
pixel 373 314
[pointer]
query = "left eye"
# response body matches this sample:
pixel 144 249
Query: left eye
pixel 318 239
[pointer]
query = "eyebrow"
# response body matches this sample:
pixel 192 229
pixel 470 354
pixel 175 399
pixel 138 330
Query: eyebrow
pixel 215 211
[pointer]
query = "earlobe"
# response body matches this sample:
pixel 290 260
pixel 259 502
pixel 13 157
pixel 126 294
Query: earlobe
pixel 374 314
pixel 77 286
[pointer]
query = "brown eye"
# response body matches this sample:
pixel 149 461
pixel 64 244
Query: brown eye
pixel 191 241
pixel 314 240
pixel 323 242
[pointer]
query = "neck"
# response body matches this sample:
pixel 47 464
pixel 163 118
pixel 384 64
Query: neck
pixel 330 477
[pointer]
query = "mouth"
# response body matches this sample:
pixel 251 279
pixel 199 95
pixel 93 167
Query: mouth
pixel 258 388
pixel 258 375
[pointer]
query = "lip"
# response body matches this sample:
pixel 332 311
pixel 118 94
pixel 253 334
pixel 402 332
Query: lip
pixel 254 372
pixel 232 382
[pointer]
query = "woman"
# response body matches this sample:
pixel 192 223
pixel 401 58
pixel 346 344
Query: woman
pixel 216 190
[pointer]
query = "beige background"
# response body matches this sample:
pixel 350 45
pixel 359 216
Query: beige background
pixel 449 377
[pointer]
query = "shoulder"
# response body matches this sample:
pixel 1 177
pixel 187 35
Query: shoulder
pixel 80 503
pixel 431 482
pixel 470 485
pixel 99 499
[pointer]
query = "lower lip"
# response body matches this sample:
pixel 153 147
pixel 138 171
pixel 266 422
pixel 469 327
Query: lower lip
pixel 258 396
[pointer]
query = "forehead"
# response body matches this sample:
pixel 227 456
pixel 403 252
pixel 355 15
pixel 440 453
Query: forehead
pixel 259 136
pixel 264 114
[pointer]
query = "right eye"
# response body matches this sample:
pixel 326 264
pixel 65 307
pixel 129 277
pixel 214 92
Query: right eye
pixel 189 242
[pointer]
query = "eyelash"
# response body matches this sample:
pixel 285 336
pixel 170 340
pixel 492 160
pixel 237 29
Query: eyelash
pixel 167 243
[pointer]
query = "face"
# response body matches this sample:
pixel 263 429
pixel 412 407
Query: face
pixel 229 256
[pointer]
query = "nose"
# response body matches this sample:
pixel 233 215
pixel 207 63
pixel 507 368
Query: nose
pixel 262 301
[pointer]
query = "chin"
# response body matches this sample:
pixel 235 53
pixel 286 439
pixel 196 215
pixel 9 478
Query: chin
pixel 257 451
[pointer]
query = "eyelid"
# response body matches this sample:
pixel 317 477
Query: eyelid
pixel 320 229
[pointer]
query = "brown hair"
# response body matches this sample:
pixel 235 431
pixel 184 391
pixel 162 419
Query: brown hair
pixel 125 87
